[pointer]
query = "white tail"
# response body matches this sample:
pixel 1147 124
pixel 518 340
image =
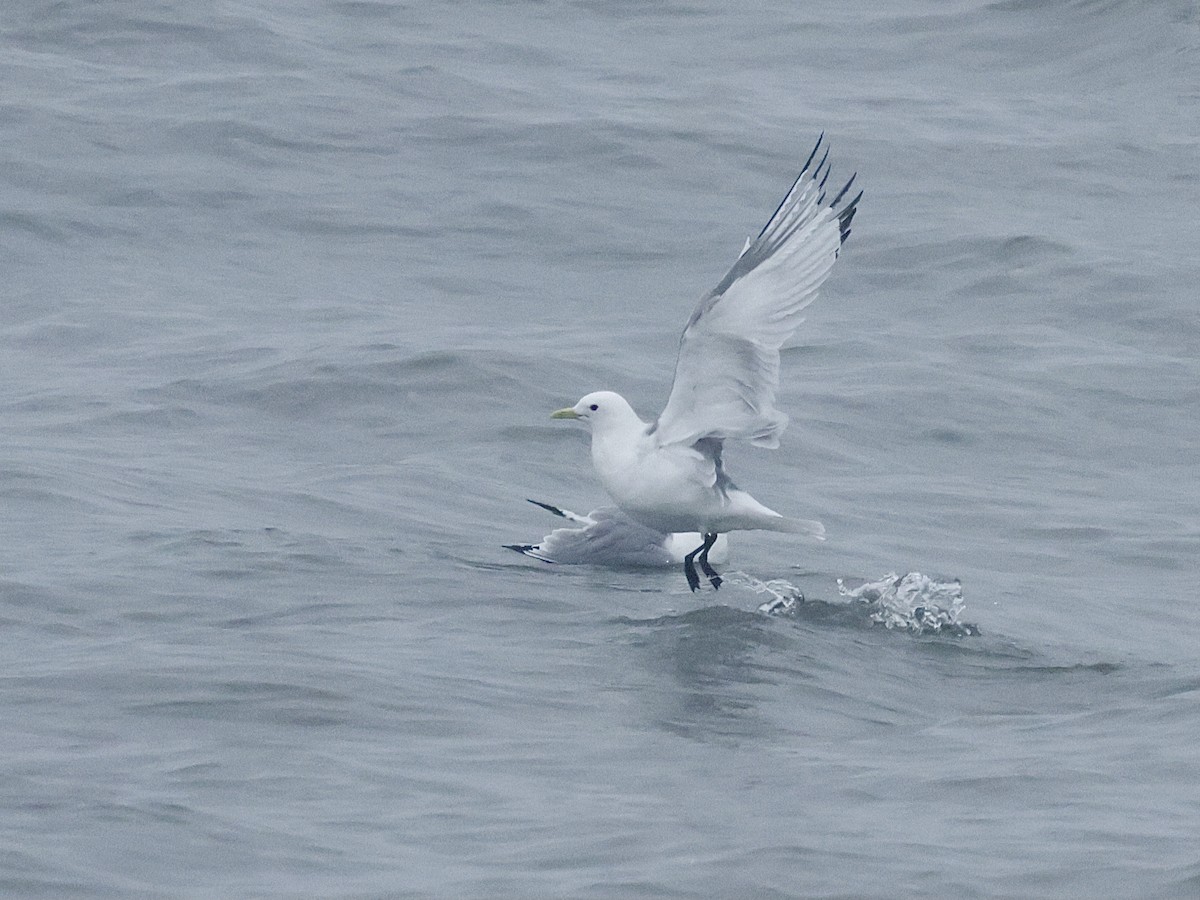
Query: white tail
pixel 810 527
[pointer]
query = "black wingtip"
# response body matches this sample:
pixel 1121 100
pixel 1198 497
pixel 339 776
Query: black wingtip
pixel 520 548
pixel 818 175
pixel 846 216
pixel 806 171
pixel 828 168
pixel 813 155
pixel 546 506
pixel 842 192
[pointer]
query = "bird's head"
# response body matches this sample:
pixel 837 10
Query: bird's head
pixel 600 409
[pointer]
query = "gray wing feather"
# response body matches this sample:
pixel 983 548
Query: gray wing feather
pixel 727 372
pixel 609 538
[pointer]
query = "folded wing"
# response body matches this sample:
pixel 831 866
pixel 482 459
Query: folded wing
pixel 727 373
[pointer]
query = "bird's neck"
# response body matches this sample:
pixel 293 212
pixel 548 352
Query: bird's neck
pixel 618 445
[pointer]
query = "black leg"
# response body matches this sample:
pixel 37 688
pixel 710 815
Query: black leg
pixel 689 569
pixel 713 578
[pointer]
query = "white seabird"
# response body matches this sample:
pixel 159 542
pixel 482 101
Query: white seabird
pixel 668 474
pixel 608 537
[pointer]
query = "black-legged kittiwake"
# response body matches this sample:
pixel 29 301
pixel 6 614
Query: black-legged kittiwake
pixel 668 474
pixel 608 537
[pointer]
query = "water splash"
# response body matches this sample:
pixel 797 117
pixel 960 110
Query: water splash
pixel 912 602
pixel 784 595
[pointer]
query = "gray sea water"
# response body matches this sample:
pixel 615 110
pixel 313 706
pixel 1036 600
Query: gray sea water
pixel 288 292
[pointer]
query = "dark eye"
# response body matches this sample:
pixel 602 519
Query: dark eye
pixel 593 407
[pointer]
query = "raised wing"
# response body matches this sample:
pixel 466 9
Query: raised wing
pixel 727 373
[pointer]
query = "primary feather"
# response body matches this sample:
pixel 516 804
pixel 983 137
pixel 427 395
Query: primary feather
pixel 727 372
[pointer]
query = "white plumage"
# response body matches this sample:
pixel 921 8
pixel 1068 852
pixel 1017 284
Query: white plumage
pixel 669 475
pixel 608 537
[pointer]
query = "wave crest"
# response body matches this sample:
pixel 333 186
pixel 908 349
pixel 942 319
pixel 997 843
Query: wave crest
pixel 911 602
